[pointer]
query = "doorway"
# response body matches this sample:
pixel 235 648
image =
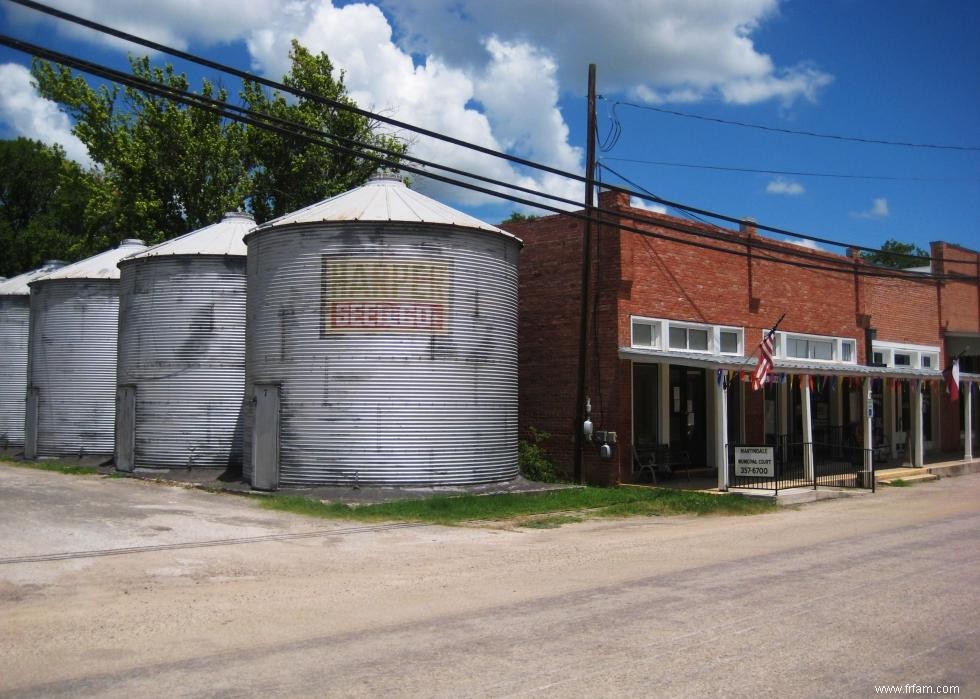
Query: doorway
pixel 265 437
pixel 688 418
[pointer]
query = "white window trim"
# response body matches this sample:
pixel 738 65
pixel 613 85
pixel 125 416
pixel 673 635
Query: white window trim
pixel 837 342
pixel 660 333
pixel 916 352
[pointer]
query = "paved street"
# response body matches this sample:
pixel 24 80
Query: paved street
pixel 213 596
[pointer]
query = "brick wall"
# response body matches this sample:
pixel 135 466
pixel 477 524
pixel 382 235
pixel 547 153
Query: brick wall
pixel 959 300
pixel 959 311
pixel 741 279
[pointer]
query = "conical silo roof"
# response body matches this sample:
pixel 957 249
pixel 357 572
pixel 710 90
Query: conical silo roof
pixel 101 266
pixel 17 286
pixel 383 198
pixel 222 238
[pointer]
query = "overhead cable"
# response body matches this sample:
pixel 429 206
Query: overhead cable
pixel 812 134
pixel 392 160
pixel 793 173
pixel 336 104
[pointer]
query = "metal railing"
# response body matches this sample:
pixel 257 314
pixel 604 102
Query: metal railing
pixel 833 465
pixel 843 466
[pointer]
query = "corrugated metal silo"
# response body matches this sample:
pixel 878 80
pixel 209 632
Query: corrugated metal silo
pixel 71 357
pixel 181 374
pixel 381 344
pixel 15 308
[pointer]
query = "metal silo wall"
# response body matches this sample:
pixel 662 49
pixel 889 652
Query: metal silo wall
pixel 182 345
pixel 72 364
pixel 14 315
pixel 386 408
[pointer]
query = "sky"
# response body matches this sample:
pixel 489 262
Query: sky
pixel 512 75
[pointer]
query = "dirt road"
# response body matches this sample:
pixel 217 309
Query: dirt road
pixel 216 597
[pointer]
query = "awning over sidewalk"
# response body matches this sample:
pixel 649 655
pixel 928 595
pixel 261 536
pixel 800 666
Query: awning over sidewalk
pixel 707 360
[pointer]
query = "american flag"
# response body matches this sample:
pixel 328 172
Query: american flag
pixel 764 366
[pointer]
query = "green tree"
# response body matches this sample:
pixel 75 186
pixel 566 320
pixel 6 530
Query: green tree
pixel 49 207
pixel 517 217
pixel 289 173
pixel 170 168
pixel 896 254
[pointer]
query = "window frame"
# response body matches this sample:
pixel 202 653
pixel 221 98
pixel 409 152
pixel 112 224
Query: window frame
pixel 836 347
pixel 660 335
pixel 917 354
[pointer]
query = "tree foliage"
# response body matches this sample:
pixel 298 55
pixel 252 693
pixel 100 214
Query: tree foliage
pixel 896 254
pixel 289 173
pixel 517 217
pixel 166 168
pixel 49 207
pixel 169 168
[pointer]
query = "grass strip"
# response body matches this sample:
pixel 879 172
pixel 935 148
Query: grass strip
pixel 54 465
pixel 584 502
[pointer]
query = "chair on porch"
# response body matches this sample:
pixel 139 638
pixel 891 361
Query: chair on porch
pixel 669 458
pixel 645 461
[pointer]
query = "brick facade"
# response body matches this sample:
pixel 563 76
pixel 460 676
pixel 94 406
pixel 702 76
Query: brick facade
pixel 734 278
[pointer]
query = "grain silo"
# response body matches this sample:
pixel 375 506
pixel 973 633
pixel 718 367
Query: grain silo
pixel 382 344
pixel 71 357
pixel 15 308
pixel 181 373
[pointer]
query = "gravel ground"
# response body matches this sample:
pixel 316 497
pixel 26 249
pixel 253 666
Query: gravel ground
pixel 118 587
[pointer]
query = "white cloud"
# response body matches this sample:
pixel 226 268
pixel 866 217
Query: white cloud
pixel 516 88
pixel 787 187
pixel 175 23
pixel 809 244
pixel 655 50
pixel 879 209
pixel 488 73
pixel 647 206
pixel 29 115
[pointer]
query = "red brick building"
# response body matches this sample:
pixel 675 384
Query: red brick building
pixel 676 317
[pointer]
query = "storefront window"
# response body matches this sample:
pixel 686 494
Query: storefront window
pixel 729 341
pixel 807 348
pixel 642 335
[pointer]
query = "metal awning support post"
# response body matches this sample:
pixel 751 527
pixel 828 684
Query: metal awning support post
pixel 663 412
pixel 917 433
pixel 720 393
pixel 807 429
pixel 967 394
pixel 783 405
pixel 867 408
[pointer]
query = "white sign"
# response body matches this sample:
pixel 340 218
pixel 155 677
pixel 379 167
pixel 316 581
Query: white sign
pixel 375 295
pixel 755 461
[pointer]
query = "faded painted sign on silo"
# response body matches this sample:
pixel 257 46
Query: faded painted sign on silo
pixel 382 344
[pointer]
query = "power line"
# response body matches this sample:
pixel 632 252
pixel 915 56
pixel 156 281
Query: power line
pixel 409 127
pixel 400 124
pixel 682 212
pixel 249 116
pixel 251 77
pixel 773 229
pixel 776 129
pixel 390 159
pixel 794 173
pixel 704 231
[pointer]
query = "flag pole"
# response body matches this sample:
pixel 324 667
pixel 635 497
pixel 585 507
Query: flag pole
pixel 772 331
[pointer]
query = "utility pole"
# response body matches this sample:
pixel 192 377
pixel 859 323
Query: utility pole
pixel 583 337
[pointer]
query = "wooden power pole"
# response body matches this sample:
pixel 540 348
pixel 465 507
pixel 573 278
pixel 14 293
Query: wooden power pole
pixel 583 339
